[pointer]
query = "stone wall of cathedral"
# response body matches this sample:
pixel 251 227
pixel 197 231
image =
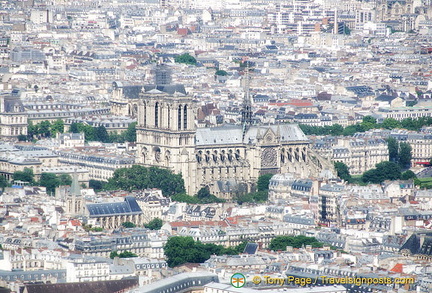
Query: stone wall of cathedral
pixel 166 137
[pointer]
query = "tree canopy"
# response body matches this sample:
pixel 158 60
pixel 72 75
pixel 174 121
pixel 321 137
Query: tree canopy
pixel 51 181
pixel 101 134
pixel 154 224
pixel 281 242
pixel 384 171
pixel 139 177
pixel 124 254
pixel 405 155
pixel 367 123
pixel 180 250
pixel 26 175
pixel 342 171
pixel 221 72
pixel 186 58
pixel 400 153
pixel 204 196
pixel 263 182
pixel 261 195
pixel 128 225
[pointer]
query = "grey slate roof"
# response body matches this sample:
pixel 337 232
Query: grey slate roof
pixel 419 244
pixel 233 134
pixel 169 89
pixel 128 207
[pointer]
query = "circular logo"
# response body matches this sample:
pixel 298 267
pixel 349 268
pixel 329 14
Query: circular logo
pixel 256 280
pixel 238 280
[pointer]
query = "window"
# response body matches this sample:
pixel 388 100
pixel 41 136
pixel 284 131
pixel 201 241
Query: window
pixel 185 117
pixel 179 117
pixel 157 114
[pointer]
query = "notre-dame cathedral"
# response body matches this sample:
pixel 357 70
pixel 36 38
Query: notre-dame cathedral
pixel 227 159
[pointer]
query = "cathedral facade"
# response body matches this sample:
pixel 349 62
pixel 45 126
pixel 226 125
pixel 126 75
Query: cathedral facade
pixel 227 159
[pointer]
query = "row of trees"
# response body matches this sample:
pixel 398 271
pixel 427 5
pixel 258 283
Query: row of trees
pixel 154 224
pixel 124 254
pixel 172 185
pixel 383 171
pixel 44 129
pixel 386 171
pixel 101 134
pixel 47 129
pixel 48 180
pixel 368 122
pixel 180 250
pixel 139 177
pixel 281 242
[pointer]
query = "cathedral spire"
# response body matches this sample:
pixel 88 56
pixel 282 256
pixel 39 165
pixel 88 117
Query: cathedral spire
pixel 247 103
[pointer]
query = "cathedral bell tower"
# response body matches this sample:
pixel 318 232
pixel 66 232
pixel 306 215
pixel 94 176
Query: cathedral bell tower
pixel 166 130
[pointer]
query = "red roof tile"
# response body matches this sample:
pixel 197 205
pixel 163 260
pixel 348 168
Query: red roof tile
pixel 398 268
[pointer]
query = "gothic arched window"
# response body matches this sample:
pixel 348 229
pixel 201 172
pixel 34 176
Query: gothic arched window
pixel 179 117
pixel 145 115
pixel 185 117
pixel 157 114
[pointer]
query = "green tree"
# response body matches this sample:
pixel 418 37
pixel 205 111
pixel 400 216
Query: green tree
pixel 154 224
pixel 130 134
pixel 351 129
pixel 101 134
pixel 124 254
pixel 57 127
pixel 89 131
pixel 127 254
pixel 408 174
pixel 254 197
pixel 96 184
pixel 50 181
pixel 3 182
pixel 183 197
pixel 128 225
pixel 281 242
pixel 342 171
pixel 22 137
pixel 405 155
pixel 32 130
pixel 411 124
pixel 336 129
pixel 180 250
pixel 393 148
pixel 74 128
pixel 139 177
pixel 26 175
pixel 186 58
pixel 369 119
pixel 263 182
pixel 383 171
pixel 390 123
pixel 113 254
pixel 45 129
pixel 65 179
pixel 221 72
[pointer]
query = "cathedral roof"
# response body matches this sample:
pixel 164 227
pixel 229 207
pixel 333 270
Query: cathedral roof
pixel 169 88
pixel 233 134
